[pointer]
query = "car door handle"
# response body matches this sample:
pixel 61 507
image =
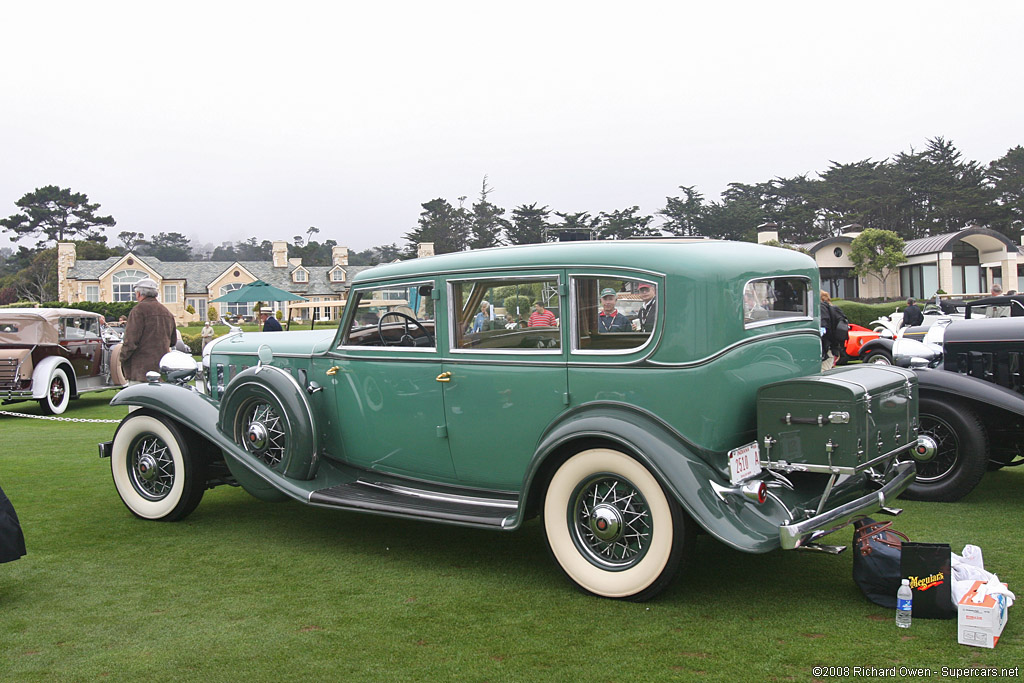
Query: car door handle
pixel 444 377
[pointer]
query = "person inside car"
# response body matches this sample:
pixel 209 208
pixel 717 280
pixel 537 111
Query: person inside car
pixel 609 319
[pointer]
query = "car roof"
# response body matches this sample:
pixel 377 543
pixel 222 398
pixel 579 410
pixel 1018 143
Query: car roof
pixel 49 314
pixel 714 258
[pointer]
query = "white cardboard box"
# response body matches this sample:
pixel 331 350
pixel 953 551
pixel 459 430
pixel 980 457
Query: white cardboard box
pixel 980 623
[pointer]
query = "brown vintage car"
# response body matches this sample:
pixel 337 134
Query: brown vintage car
pixel 52 355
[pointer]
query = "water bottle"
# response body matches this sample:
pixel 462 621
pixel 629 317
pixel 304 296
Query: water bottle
pixel 904 602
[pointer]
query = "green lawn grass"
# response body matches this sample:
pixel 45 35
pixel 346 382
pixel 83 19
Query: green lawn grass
pixel 247 590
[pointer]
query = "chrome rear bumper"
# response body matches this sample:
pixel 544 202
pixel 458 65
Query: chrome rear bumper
pixel 798 534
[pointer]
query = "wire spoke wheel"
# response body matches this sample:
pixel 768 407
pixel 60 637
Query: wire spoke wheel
pixel 611 528
pixel 262 432
pixel 611 521
pixel 156 472
pixel 151 467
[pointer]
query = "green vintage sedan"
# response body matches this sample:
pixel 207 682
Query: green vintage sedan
pixel 504 384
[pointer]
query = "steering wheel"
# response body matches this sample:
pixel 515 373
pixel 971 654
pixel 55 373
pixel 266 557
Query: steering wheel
pixel 406 339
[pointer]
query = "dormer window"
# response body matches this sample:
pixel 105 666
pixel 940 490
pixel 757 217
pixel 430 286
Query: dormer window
pixel 300 275
pixel 337 275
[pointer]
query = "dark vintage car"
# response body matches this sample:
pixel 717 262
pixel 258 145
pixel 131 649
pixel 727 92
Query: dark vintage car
pixel 53 355
pixel 972 404
pixel 626 443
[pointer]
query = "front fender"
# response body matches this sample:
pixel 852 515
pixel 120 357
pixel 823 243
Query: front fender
pixel 42 371
pixel 881 343
pixel 671 458
pixel 955 385
pixel 201 414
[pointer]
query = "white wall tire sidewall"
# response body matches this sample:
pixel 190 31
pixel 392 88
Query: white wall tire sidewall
pixel 610 584
pixel 62 406
pixel 119 458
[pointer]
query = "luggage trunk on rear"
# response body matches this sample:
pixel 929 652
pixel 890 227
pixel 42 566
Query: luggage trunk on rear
pixel 840 422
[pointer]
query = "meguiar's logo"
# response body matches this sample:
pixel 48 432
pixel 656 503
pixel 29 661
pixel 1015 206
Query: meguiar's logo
pixel 924 583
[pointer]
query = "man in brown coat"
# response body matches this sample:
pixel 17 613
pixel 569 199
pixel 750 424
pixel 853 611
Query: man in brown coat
pixel 149 334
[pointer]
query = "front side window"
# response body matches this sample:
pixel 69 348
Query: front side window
pixel 773 300
pixel 170 294
pixel 500 314
pixel 613 314
pixel 402 323
pixel 92 292
pixel 124 283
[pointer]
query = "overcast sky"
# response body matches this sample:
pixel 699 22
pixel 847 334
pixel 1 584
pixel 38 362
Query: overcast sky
pixel 228 120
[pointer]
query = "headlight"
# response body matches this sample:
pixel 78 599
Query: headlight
pixel 178 367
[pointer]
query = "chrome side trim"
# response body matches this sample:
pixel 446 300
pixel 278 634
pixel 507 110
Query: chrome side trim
pixel 443 497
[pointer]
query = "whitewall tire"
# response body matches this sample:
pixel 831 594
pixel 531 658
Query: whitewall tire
pixel 611 528
pixel 58 393
pixel 155 473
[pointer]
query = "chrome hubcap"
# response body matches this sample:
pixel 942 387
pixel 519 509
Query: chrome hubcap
pixel 605 523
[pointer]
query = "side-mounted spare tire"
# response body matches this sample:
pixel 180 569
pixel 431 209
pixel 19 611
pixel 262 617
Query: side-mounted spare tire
pixel 266 412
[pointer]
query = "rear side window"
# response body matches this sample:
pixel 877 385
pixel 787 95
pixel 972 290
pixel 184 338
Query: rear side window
pixel 772 300
pixel 612 314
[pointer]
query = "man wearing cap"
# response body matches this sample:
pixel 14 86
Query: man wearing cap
pixel 270 321
pixel 148 335
pixel 610 320
pixel 649 310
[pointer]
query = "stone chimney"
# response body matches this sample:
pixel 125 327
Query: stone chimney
pixel 280 254
pixel 339 256
pixel 767 232
pixel 66 257
pixel 424 249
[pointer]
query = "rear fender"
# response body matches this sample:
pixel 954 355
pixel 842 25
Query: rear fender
pixel 669 457
pixel 45 368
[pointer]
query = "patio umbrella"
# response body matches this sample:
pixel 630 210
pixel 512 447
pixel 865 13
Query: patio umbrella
pixel 257 291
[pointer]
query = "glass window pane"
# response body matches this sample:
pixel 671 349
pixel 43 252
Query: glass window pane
pixel 773 300
pixel 402 323
pixel 520 314
pixel 613 314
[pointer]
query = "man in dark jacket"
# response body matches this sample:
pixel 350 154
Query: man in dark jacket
pixel 149 334
pixel 912 315
pixel 270 321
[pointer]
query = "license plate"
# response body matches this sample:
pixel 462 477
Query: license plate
pixel 744 463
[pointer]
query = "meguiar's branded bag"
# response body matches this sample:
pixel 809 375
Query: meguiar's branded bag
pixel 927 566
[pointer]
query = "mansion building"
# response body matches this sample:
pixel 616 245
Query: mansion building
pixel 195 283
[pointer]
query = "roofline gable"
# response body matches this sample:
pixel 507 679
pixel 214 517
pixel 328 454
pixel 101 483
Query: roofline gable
pixel 123 261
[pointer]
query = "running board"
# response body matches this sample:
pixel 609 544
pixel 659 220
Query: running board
pixel 417 503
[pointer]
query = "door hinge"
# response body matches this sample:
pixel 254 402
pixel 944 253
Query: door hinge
pixel 442 431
